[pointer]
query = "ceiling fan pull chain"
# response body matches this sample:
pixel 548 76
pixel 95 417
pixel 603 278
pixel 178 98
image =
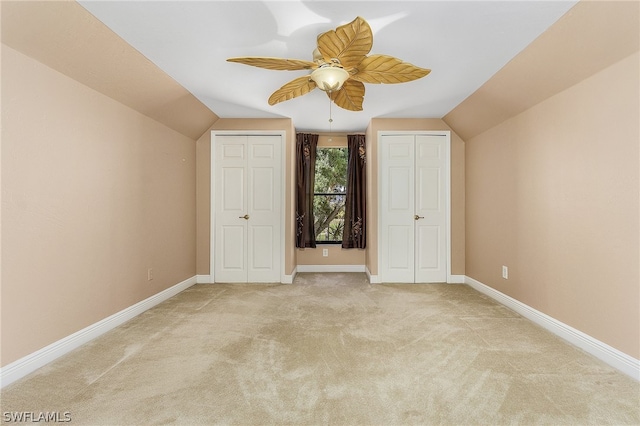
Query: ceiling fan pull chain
pixel 330 117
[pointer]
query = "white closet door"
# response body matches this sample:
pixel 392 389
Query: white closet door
pixel 430 208
pixel 413 208
pixel 397 211
pixel 230 206
pixel 263 195
pixel 247 208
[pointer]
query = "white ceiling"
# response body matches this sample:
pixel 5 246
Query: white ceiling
pixel 463 42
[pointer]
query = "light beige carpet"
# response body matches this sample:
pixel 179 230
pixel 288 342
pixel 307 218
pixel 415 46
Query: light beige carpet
pixel 330 349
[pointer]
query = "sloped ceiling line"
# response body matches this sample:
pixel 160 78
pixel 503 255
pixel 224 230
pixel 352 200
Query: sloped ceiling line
pixel 66 37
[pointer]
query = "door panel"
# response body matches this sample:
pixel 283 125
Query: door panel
pixel 428 238
pixel 231 260
pixel 247 208
pixel 230 202
pixel 397 198
pixel 400 196
pixel 400 254
pixel 431 208
pixel 261 255
pixel 260 150
pixel 413 208
pixel 233 194
pixel 262 181
pixel 264 209
pixel 428 194
pixel 233 256
pixel 233 150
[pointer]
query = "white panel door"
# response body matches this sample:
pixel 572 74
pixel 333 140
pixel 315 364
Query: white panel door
pixel 430 209
pixel 263 195
pixel 247 208
pixel 397 199
pixel 413 208
pixel 231 206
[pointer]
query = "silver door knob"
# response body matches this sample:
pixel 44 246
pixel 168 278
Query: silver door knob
pixel 416 217
pixel 245 217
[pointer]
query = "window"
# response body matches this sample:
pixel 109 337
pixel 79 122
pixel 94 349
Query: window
pixel 330 192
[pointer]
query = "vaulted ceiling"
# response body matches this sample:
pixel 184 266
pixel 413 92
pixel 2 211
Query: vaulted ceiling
pixel 464 43
pixel 489 60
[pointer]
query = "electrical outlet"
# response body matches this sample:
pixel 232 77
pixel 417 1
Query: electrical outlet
pixel 325 252
pixel 505 272
pixel 149 274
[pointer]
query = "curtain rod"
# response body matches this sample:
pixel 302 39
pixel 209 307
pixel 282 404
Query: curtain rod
pixel 338 134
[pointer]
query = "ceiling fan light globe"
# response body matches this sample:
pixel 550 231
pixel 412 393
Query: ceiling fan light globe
pixel 329 79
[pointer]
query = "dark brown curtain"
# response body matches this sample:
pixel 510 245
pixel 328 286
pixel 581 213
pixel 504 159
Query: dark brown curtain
pixel 354 235
pixel 305 176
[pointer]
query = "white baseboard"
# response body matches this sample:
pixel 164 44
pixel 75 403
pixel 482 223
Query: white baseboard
pixel 451 279
pixel 330 268
pixel 206 279
pixel 203 279
pixel 373 279
pixel 456 279
pixel 288 279
pixel 600 350
pixel 25 365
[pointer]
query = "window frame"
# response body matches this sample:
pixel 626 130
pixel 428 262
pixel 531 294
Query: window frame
pixel 329 194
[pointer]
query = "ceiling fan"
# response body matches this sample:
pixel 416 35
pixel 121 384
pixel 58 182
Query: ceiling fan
pixel 340 67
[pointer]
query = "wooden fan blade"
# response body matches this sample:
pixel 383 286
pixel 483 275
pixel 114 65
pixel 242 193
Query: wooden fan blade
pixel 350 97
pixel 296 87
pixel 349 43
pixel 388 70
pixel 279 64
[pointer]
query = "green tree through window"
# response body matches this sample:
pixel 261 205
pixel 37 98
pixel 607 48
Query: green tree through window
pixel 329 194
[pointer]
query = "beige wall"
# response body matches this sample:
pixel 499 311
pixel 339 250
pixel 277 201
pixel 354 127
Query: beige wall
pixel 203 178
pixel 457 215
pixel 93 194
pixel 66 37
pixel 552 193
pixel 552 173
pixel 591 36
